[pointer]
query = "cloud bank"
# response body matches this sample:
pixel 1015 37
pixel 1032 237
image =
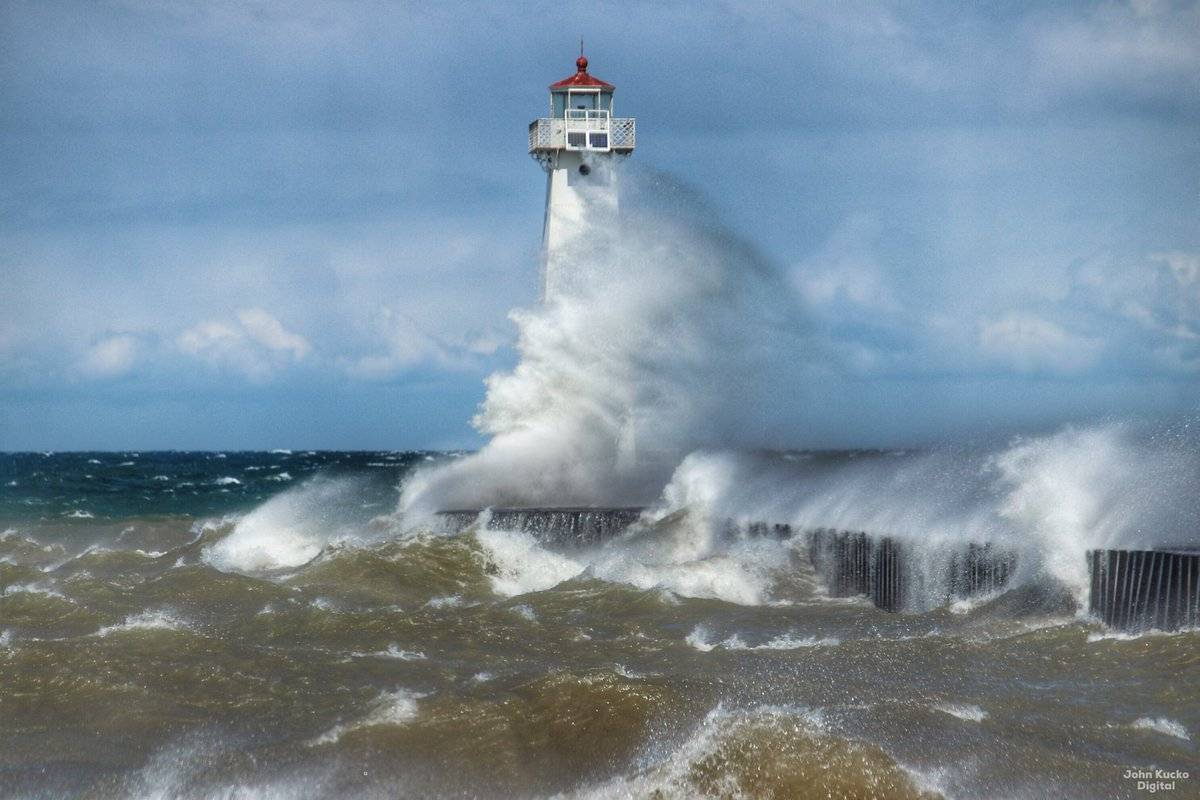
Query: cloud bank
pixel 986 217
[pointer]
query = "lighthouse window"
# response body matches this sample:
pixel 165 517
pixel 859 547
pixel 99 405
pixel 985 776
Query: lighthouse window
pixel 583 100
pixel 600 140
pixel 576 139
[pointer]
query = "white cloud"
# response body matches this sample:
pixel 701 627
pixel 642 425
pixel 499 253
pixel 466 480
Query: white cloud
pixel 256 346
pixel 405 346
pixel 1032 344
pixel 1144 47
pixel 845 270
pixel 110 357
pixel 270 333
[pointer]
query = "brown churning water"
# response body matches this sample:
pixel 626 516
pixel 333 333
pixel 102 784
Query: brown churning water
pixel 307 643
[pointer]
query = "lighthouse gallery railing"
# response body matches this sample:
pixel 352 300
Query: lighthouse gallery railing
pixel 551 133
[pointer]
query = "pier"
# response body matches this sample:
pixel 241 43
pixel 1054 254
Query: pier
pixel 1130 590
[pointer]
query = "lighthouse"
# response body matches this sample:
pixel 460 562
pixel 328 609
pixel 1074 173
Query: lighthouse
pixel 577 146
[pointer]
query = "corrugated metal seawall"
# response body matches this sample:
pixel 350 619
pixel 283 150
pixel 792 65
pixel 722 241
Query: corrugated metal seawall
pixel 1130 590
pixel 1134 590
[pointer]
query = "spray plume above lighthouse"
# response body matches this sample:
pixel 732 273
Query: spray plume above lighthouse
pixel 576 145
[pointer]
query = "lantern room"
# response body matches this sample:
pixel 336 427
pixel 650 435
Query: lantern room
pixel 581 117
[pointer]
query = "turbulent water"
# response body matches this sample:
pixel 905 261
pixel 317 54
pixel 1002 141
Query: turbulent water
pixel 263 625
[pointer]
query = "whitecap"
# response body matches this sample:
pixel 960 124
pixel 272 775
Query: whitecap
pixel 227 480
pixel 525 612
pixel 786 641
pixel 394 651
pixel 283 476
pixel 33 588
pixel 698 639
pixel 287 531
pixel 522 565
pixel 1163 725
pixel 701 639
pixel 1125 636
pixel 966 712
pixel 147 620
pixel 397 707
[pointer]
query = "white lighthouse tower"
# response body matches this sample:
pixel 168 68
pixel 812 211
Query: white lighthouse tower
pixel 576 145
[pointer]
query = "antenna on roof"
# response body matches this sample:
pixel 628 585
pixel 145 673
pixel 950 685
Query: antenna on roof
pixel 580 45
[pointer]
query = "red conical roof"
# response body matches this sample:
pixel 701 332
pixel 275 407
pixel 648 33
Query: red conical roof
pixel 581 78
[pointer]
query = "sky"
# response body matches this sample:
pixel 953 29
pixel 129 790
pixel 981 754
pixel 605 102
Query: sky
pixel 241 224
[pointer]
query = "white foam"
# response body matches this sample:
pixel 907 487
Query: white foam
pixel 525 612
pixel 522 566
pixel 282 476
pixel 1163 725
pixel 394 651
pixel 286 531
pixel 786 641
pixel 397 707
pixel 80 513
pixel 683 559
pixel 227 480
pixel 33 588
pixel 1126 636
pixel 701 639
pixel 968 713
pixel 161 619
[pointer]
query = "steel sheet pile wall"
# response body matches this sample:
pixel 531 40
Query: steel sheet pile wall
pixel 981 569
pixel 1134 590
pixel 569 526
pixel 897 576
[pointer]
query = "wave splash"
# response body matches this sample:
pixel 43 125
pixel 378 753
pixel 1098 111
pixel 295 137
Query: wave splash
pixel 1051 498
pixel 669 326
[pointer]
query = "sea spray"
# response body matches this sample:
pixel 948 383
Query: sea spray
pixel 669 336
pixel 290 529
pixel 1050 498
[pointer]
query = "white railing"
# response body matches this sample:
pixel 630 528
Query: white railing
pixel 594 131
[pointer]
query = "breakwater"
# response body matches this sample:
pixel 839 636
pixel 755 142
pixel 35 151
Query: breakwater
pixel 1137 590
pixel 1129 590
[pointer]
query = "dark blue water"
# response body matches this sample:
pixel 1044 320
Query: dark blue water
pixel 108 485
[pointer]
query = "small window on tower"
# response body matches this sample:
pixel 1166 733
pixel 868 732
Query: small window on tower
pixel 576 139
pixel 600 141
